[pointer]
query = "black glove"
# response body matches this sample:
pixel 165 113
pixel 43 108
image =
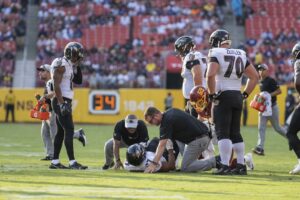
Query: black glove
pixel 65 108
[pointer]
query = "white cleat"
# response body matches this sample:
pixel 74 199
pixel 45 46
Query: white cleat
pixel 296 170
pixel 249 161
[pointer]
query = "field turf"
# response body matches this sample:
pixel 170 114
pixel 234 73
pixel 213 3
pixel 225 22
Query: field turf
pixel 24 176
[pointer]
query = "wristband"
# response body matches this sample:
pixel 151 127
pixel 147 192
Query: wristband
pixel 245 95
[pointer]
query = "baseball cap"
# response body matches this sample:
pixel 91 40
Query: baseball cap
pixel 131 121
pixel 262 67
pixel 44 67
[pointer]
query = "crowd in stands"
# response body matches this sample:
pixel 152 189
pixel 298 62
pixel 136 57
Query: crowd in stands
pixel 272 30
pixel 136 60
pixel 12 32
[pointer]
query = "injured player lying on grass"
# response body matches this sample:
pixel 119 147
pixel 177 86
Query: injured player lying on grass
pixel 138 157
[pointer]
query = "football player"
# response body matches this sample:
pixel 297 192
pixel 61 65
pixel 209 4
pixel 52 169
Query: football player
pixel 48 129
pixel 294 127
pixel 193 74
pixel 138 157
pixel 65 71
pixel 225 69
pixel 193 68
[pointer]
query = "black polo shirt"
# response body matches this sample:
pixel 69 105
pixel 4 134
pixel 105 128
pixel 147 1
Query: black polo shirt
pixel 269 85
pixel 179 125
pixel 140 135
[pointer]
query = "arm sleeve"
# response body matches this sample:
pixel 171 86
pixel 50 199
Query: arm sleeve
pixel 78 76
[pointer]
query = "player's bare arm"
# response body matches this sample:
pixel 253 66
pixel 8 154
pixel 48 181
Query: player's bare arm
pixel 253 78
pixel 170 165
pixel 276 92
pixel 57 78
pixel 158 154
pixel 212 70
pixel 116 149
pixel 197 75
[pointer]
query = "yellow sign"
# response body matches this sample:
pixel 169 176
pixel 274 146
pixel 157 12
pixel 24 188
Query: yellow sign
pixel 109 106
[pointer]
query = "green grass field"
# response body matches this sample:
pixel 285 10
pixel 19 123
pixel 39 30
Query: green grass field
pixel 24 176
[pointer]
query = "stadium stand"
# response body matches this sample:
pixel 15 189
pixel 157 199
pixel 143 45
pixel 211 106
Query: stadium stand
pixel 272 30
pixel 12 31
pixel 127 41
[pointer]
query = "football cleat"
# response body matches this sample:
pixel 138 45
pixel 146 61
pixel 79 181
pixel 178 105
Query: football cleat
pixel 223 170
pixel 259 151
pixel 239 170
pixel 249 161
pixel 82 137
pixel 106 167
pixel 296 170
pixel 77 165
pixel 47 158
pixel 57 166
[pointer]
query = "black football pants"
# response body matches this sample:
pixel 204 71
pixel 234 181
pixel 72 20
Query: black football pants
pixel 65 131
pixel 293 129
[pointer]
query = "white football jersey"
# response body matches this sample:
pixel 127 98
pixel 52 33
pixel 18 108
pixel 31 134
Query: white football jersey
pixel 66 84
pixel 149 157
pixel 232 66
pixel 188 81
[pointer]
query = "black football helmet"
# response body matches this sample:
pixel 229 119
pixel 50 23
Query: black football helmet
pixel 219 37
pixel 296 52
pixel 184 45
pixel 74 51
pixel 135 154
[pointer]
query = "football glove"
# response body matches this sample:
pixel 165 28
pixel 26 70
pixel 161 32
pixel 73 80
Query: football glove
pixel 65 108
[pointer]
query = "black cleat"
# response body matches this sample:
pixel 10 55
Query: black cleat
pixel 82 137
pixel 218 162
pixel 77 165
pixel 47 158
pixel 240 169
pixel 259 151
pixel 57 166
pixel 106 167
pixel 223 170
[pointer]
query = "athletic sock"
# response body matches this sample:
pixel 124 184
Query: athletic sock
pixel 71 162
pixel 225 149
pixel 55 162
pixel 239 149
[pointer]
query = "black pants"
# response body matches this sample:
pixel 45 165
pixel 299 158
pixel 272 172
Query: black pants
pixel 10 108
pixel 65 131
pixel 293 129
pixel 227 116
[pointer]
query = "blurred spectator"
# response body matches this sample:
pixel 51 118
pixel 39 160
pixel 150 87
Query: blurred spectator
pixel 9 103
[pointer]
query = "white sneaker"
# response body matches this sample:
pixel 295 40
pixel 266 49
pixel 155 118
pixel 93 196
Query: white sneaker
pixel 249 161
pixel 296 170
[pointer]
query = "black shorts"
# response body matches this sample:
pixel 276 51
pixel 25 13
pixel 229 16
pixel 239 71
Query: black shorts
pixel 227 111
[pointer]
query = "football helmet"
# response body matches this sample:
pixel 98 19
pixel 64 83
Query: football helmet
pixel 219 37
pixel 184 45
pixel 135 154
pixel 199 99
pixel 296 52
pixel 74 51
